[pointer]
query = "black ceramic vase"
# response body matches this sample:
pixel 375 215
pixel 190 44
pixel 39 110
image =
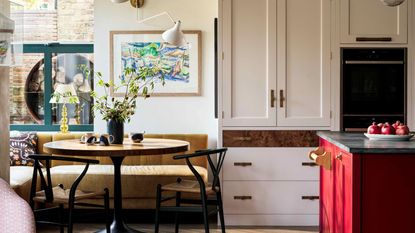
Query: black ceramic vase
pixel 116 129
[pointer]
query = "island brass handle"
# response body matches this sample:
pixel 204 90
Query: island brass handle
pixel 311 198
pixel 273 99
pixel 321 157
pixel 339 157
pixel 242 138
pixel 307 164
pixel 282 98
pixel 243 198
pixel 242 164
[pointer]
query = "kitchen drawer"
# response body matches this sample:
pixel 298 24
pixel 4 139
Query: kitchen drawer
pixel 269 164
pixel 270 197
pixel 270 138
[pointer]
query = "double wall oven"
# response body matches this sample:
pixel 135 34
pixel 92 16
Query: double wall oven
pixel 373 86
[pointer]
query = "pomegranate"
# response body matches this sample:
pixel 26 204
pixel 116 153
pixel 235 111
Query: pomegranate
pixel 373 129
pixel 380 125
pixel 387 129
pixel 396 124
pixel 402 130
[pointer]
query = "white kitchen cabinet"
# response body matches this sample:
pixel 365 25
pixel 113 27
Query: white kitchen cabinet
pixel 303 63
pixel 249 62
pixel 369 21
pixel 273 186
pixel 275 63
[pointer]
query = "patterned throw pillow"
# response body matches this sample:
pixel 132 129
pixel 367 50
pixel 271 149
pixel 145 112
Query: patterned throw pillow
pixel 21 146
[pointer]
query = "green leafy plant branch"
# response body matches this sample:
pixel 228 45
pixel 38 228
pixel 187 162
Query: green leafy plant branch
pixel 136 82
pixel 72 99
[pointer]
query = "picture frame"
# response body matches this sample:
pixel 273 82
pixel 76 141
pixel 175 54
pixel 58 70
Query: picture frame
pixel 184 64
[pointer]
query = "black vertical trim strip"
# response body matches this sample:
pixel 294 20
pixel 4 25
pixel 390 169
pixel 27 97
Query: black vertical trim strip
pixel 216 66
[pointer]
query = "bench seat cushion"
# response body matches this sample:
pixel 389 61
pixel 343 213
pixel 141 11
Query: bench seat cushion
pixel 137 181
pixel 21 180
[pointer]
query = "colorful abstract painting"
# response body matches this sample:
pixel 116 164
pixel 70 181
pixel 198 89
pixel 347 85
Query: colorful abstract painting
pixel 181 64
pixel 174 60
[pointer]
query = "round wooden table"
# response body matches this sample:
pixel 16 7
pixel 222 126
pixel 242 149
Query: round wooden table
pixel 117 153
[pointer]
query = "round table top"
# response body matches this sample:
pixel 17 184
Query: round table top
pixel 149 146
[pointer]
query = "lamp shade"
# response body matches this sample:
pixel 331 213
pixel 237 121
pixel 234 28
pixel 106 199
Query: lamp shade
pixel 64 94
pixel 174 35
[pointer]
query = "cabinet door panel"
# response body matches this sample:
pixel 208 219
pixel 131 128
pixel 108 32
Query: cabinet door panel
pixel 249 64
pixel 303 63
pixel 372 19
pixel 326 193
pixel 342 191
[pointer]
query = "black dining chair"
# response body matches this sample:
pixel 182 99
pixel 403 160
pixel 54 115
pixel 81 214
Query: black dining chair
pixel 210 193
pixel 56 198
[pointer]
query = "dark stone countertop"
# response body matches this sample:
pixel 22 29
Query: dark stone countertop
pixel 358 143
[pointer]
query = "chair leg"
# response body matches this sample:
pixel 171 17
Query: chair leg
pixel 220 210
pixel 176 219
pixel 158 203
pixel 107 210
pixel 205 211
pixel 70 219
pixel 61 227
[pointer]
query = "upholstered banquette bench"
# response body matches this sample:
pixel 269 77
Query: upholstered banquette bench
pixel 140 174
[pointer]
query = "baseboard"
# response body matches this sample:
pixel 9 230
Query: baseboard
pixel 272 220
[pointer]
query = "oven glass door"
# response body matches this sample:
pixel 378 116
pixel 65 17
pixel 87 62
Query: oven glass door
pixel 373 89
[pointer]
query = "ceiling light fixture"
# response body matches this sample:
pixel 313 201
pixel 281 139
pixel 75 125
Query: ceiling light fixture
pixel 134 3
pixel 392 2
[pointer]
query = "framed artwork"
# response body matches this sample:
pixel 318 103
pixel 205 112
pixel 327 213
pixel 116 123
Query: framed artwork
pixel 144 48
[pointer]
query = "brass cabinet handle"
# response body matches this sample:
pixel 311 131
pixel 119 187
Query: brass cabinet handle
pixel 242 138
pixel 321 157
pixel 307 164
pixel 282 98
pixel 242 198
pixel 339 157
pixel 311 198
pixel 273 99
pixel 384 39
pixel 242 164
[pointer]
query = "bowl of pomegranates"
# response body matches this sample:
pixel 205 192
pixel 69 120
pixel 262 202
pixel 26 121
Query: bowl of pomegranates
pixel 388 132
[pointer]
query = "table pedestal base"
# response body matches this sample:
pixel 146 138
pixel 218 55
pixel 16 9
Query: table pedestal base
pixel 120 227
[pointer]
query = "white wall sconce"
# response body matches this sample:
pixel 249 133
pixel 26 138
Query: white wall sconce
pixel 173 36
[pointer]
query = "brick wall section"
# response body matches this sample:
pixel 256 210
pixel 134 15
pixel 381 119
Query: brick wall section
pixel 38 26
pixel 72 21
pixel 76 20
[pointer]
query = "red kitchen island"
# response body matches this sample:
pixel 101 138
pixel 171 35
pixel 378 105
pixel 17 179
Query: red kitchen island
pixel 365 186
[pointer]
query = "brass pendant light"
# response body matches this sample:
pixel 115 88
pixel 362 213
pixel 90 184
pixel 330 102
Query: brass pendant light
pixel 392 3
pixel 137 3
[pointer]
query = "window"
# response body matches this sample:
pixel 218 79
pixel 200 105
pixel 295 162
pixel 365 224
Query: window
pixel 52 63
pixel 47 63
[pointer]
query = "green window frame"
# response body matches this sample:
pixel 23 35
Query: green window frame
pixel 48 50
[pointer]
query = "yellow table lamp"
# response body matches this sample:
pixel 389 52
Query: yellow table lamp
pixel 64 94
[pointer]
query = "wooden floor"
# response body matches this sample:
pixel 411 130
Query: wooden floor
pixel 84 228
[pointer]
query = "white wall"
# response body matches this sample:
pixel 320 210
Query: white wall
pixel 164 114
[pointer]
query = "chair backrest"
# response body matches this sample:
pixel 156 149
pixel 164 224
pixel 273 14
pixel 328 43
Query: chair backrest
pixel 215 168
pixel 46 182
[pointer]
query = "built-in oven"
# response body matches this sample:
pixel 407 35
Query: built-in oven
pixel 373 86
